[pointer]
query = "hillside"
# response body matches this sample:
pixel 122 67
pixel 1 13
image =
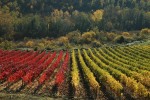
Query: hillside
pixel 40 18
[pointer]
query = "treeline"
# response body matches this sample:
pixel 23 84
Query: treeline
pixel 46 6
pixel 54 18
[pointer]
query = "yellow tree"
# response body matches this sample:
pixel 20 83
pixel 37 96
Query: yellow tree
pixel 97 15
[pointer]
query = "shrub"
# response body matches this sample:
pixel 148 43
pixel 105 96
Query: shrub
pixel 74 37
pixel 7 45
pixel 96 43
pixel 111 36
pixel 126 34
pixel 145 33
pixel 63 40
pixel 30 43
pixel 41 45
pixel 119 39
pixel 88 36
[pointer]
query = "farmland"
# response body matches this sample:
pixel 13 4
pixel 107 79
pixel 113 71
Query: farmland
pixel 117 72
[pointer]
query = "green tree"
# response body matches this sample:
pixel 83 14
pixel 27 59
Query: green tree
pixel 6 24
pixel 82 21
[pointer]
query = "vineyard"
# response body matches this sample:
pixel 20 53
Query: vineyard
pixel 107 73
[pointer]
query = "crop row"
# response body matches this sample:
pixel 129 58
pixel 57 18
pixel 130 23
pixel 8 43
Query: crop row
pixel 28 66
pixel 119 72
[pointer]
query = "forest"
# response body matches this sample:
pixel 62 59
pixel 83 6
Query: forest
pixel 106 19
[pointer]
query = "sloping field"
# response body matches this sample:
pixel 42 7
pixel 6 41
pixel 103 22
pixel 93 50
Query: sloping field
pixel 118 72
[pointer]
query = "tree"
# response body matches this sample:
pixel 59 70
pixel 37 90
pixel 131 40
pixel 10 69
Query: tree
pixel 6 24
pixel 97 15
pixel 82 21
pixel 61 23
pixel 146 19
